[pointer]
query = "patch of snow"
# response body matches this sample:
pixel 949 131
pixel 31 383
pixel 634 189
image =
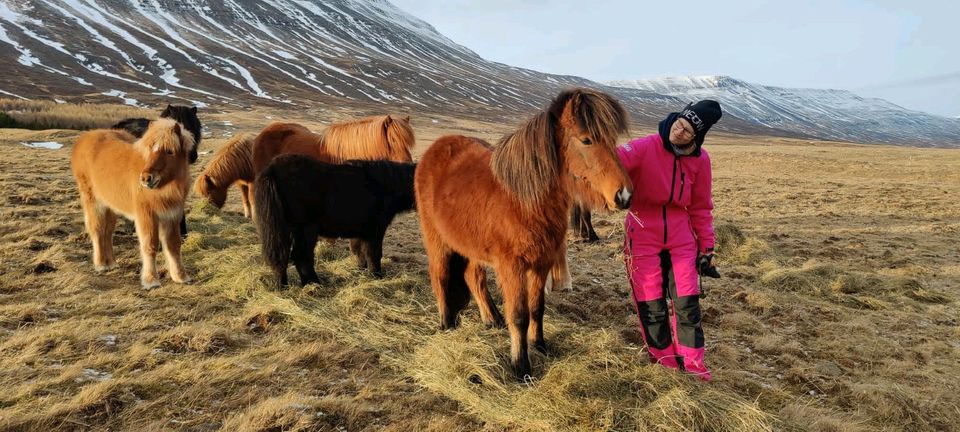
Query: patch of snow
pixel 285 54
pixel 60 101
pixel 122 95
pixel 44 145
pixel 12 94
pixel 94 375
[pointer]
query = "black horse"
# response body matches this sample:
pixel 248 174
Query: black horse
pixel 187 116
pixel 299 199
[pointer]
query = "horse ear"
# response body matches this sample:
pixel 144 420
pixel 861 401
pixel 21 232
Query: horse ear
pixel 167 111
pixel 209 182
pixel 193 110
pixel 406 119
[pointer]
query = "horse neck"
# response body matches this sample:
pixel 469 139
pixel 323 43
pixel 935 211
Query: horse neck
pixel 398 182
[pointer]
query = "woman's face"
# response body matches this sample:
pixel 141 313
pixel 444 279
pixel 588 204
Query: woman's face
pixel 681 133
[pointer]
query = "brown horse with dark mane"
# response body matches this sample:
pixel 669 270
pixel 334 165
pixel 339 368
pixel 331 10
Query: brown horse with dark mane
pixel 146 182
pixel 507 207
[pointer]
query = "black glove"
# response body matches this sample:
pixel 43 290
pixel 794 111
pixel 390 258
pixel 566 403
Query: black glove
pixel 705 265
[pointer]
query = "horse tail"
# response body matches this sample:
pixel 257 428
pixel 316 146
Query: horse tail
pixel 275 236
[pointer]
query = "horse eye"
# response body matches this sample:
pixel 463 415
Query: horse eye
pixel 169 152
pixel 586 141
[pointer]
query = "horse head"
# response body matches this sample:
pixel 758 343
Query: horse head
pixel 590 122
pixel 166 146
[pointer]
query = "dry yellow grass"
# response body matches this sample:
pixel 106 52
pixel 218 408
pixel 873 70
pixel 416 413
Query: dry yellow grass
pixel 837 312
pixel 38 115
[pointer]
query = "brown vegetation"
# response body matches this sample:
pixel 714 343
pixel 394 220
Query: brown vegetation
pixel 837 312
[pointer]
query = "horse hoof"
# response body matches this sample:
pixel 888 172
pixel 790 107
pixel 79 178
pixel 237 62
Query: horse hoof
pixel 496 324
pixel 150 284
pixel 184 280
pixel 104 268
pixel 540 346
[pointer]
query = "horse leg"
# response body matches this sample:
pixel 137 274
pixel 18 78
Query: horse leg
pixel 581 220
pixel 183 225
pixel 476 278
pixel 304 244
pixel 535 301
pixel 106 240
pixel 357 247
pixel 373 255
pixel 93 214
pixel 559 277
pixel 146 225
pixel 518 318
pixel 245 199
pixel 171 239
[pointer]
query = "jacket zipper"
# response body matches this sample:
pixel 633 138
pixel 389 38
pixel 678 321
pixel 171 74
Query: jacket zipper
pixel 673 177
pixel 683 177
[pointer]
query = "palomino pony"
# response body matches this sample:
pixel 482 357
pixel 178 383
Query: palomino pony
pixel 186 116
pixel 507 208
pixel 232 164
pixel 146 182
pixel 381 137
pixel 300 198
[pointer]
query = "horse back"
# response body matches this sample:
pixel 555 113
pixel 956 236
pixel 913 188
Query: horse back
pixel 342 199
pixel 135 126
pixel 283 138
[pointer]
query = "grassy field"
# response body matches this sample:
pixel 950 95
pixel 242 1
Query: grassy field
pixel 837 312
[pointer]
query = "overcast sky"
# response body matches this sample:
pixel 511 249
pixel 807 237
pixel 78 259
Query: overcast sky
pixel 903 51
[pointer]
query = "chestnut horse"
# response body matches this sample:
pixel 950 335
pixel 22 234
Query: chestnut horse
pixel 507 208
pixel 381 137
pixel 233 164
pixel 146 182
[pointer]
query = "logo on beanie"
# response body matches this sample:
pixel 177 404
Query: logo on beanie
pixel 694 119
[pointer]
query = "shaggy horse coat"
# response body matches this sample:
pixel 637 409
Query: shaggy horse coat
pixel 232 164
pixel 372 138
pixel 186 116
pixel 146 182
pixel 300 198
pixel 507 208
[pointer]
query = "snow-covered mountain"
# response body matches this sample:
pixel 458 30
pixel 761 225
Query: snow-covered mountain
pixel 303 53
pixel 313 54
pixel 829 114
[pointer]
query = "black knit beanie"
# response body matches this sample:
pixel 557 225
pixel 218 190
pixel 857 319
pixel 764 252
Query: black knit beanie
pixel 702 115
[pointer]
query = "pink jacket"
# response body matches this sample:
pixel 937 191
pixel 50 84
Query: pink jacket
pixel 672 198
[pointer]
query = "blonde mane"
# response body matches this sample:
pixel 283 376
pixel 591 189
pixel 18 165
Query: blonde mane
pixel 166 135
pixel 379 137
pixel 234 159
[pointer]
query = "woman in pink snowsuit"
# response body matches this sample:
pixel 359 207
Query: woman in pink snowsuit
pixel 669 234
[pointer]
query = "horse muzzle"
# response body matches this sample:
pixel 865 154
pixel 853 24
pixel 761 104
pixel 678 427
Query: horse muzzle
pixel 149 180
pixel 623 198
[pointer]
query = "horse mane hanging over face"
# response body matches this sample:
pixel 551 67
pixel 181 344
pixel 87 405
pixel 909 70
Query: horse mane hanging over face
pixel 165 135
pixel 597 114
pixel 379 137
pixel 527 162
